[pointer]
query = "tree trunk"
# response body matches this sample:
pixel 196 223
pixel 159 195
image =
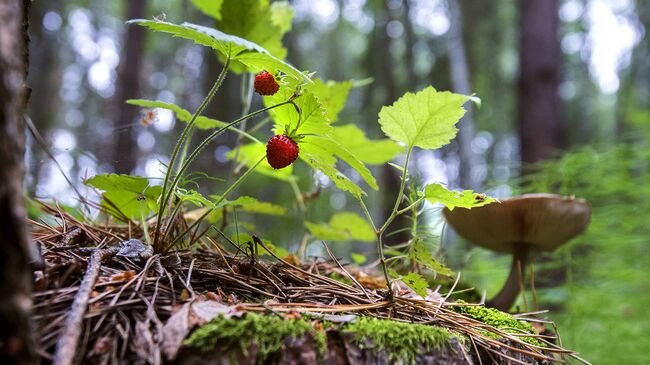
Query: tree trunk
pixel 16 344
pixel 128 87
pixel 539 78
pixel 460 84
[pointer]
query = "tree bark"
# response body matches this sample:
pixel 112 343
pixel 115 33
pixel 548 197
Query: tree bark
pixel 16 344
pixel 539 79
pixel 128 87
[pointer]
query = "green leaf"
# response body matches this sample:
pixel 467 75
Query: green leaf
pixel 248 53
pixel 371 152
pixel 436 193
pixel 358 258
pixel 343 226
pixel 132 195
pixel 312 120
pixel 421 255
pixel 333 147
pixel 323 161
pixel 416 282
pixel 250 153
pixel 282 15
pixel 257 21
pixel 332 95
pixel 209 7
pixel 425 119
pixel 182 114
pixel 252 205
pixel 194 197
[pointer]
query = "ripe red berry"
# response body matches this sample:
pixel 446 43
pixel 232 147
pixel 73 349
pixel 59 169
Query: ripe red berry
pixel 265 84
pixel 281 151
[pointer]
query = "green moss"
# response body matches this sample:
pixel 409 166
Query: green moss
pixel 498 319
pixel 402 341
pixel 268 332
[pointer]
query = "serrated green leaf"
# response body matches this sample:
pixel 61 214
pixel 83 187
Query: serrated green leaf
pixel 371 152
pixel 417 283
pixel 257 21
pixel 420 254
pixel 312 120
pixel 436 193
pixel 358 258
pixel 425 119
pixel 182 114
pixel 132 195
pixel 333 147
pixel 209 7
pixel 250 153
pixel 325 162
pixel 343 226
pixel 194 197
pixel 332 95
pixel 250 54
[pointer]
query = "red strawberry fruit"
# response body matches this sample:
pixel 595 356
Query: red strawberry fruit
pixel 265 84
pixel 281 151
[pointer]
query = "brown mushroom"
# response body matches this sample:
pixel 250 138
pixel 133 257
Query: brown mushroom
pixel 517 225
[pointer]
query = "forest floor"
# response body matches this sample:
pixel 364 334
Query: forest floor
pixel 101 295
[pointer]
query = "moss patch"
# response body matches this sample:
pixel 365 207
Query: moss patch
pixel 401 341
pixel 267 332
pixel 498 319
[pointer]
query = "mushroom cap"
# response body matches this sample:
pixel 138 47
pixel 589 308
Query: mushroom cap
pixel 544 221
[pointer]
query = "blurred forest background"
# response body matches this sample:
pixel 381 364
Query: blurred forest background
pixel 580 124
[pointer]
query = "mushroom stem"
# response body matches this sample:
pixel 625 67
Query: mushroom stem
pixel 508 294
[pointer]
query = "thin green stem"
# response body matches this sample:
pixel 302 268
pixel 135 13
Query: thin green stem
pixel 413 205
pixel 393 213
pixel 214 135
pixel 221 198
pixel 368 216
pixel 164 196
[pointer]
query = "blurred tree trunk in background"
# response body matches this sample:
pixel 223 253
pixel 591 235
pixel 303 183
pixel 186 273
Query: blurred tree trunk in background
pixel 409 39
pixel 16 344
pixel 45 101
pixel 128 87
pixel 539 79
pixel 461 84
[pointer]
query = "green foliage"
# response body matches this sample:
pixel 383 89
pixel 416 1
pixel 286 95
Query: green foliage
pixel 401 341
pixel 193 196
pixel 132 196
pixel 267 332
pixel 332 95
pixel 343 226
pixel 317 148
pixel 245 240
pixel 419 253
pixel 416 282
pixel 250 54
pixel 201 122
pixel 252 205
pixel 425 119
pixel 258 21
pixel 250 153
pixel 358 258
pixel 371 152
pixel 209 7
pixel 436 193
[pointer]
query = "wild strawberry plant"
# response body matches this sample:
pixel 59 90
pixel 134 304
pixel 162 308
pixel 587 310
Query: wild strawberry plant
pixel 304 114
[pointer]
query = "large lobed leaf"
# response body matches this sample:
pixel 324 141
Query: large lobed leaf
pixel 425 119
pixel 371 152
pixel 209 7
